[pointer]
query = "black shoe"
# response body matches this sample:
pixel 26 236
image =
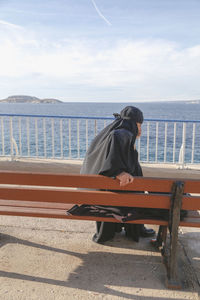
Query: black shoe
pixel 146 232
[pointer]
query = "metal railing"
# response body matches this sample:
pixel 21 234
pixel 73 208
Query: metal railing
pixel 68 137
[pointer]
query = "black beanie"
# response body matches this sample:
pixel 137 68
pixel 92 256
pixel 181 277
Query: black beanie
pixel 132 113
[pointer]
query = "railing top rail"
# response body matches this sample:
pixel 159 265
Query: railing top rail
pixel 171 121
pixel 94 118
pixel 54 116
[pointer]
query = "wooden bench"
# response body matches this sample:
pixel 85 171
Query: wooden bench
pixel 50 195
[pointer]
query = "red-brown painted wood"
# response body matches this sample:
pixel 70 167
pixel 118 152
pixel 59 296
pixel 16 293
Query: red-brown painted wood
pixel 56 213
pixel 95 181
pixel 39 200
pixel 87 197
pixel 82 181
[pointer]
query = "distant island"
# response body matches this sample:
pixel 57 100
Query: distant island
pixel 193 102
pixel 29 99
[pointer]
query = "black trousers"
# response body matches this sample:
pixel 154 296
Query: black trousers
pixel 105 231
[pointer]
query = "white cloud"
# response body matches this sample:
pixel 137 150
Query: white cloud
pixel 147 68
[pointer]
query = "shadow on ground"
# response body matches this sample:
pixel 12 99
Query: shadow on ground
pixel 110 269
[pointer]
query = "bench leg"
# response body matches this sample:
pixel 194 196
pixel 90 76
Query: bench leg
pixel 174 219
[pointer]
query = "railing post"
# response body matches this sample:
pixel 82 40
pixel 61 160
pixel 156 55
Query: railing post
pixel 28 137
pixel 11 139
pixel 139 149
pixel 36 137
pixel 44 134
pixel 70 148
pixel 78 139
pixel 20 137
pixel 174 143
pixel 52 137
pixel 61 139
pixel 147 141
pixel 182 149
pixel 193 143
pixel 156 154
pixel 165 147
pixel 16 148
pixel 2 136
pixel 86 135
pixel 95 127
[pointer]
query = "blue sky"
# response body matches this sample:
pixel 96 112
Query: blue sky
pixel 100 50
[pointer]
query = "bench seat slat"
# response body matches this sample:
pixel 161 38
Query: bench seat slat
pixel 61 214
pixel 65 206
pixel 51 205
pixel 58 213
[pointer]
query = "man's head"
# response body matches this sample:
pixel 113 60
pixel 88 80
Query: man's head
pixel 132 113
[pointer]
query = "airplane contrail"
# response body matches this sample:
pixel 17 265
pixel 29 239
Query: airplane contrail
pixel 99 13
pixel 10 25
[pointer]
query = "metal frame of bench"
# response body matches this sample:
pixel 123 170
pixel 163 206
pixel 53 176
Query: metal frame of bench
pixel 50 195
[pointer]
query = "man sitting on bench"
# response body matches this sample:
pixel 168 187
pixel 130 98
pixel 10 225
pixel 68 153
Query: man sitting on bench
pixel 112 153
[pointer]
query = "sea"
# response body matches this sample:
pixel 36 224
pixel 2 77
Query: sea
pixel 173 110
pixel 49 144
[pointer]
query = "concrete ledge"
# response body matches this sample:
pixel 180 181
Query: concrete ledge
pixel 73 166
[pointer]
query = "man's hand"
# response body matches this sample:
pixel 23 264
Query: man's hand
pixel 125 178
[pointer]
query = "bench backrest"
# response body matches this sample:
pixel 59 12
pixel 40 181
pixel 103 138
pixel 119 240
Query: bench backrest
pixel 42 187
